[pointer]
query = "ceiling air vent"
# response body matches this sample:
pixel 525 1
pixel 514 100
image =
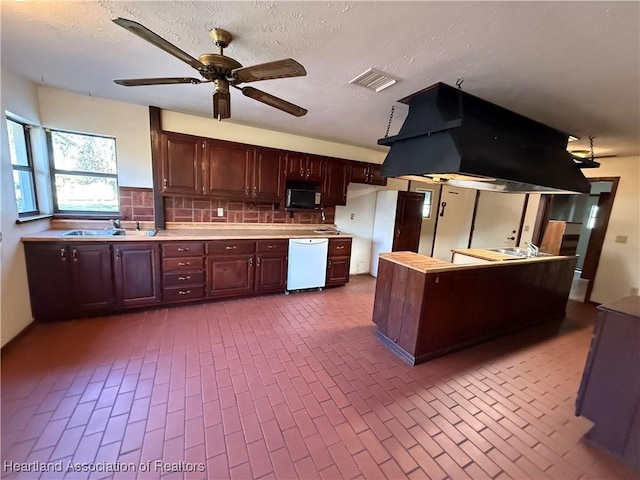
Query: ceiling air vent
pixel 374 80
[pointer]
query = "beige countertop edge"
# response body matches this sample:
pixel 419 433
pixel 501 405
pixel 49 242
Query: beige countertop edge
pixel 415 264
pixel 484 254
pixel 187 235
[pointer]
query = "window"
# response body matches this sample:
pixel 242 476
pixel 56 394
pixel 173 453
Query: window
pixel 426 206
pixel 83 172
pixel 22 164
pixel 593 215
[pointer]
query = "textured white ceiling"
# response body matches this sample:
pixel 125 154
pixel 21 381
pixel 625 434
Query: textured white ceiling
pixel 572 65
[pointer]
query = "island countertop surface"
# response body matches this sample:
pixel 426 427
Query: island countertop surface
pixel 426 264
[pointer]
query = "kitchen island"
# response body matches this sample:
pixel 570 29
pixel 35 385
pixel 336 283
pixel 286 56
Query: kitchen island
pixel 425 307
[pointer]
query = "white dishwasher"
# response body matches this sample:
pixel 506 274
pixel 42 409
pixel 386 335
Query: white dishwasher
pixel 307 263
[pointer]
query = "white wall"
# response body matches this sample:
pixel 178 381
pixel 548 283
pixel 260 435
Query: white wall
pixel 19 97
pixel 619 268
pixel 530 218
pixel 128 123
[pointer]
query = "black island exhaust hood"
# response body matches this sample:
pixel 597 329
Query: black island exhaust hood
pixel 454 137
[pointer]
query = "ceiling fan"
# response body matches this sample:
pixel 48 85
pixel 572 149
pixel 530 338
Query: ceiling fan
pixel 222 71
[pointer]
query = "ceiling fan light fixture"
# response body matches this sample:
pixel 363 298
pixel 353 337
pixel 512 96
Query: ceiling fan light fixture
pixel 374 79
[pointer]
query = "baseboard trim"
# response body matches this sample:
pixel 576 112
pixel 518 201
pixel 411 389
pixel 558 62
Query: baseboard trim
pixel 20 334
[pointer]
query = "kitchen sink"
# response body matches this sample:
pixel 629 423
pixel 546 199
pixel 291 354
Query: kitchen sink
pixel 105 232
pixel 517 252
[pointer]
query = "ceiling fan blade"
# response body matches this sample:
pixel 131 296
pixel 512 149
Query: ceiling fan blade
pixel 158 41
pixel 272 101
pixel 221 105
pixel 134 82
pixel 267 71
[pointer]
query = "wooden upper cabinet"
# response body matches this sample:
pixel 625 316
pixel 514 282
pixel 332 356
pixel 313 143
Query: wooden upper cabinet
pixel 315 168
pixel 369 173
pixel 334 188
pixel 181 159
pixel 268 174
pixel 228 169
pixel 308 168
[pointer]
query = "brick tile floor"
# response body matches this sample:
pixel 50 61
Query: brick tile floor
pixel 293 387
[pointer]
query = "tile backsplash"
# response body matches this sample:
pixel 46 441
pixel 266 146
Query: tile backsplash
pixel 137 204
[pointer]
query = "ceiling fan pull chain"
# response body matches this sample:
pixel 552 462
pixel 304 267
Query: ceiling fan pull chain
pixel 393 107
pixel 460 107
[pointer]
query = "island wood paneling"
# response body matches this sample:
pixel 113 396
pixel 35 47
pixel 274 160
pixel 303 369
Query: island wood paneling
pixel 421 315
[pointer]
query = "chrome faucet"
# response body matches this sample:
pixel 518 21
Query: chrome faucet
pixel 116 223
pixel 532 250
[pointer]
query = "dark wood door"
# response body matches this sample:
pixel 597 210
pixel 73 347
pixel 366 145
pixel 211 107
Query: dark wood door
pixel 181 164
pixel 137 274
pixel 315 168
pixel 49 275
pixel 92 277
pixel 335 183
pixel 271 273
pixel 408 222
pixel 296 166
pixel 375 175
pixel 268 174
pixel 337 270
pixel 358 172
pixel 228 168
pixel 230 275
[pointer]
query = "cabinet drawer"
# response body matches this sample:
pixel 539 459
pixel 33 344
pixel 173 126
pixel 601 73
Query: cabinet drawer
pixel 174 294
pixel 272 246
pixel 183 278
pixel 183 263
pixel 182 249
pixel 340 247
pixel 232 246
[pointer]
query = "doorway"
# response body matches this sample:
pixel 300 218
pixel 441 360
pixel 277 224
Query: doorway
pixel 587 218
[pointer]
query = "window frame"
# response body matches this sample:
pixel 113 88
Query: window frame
pixel 54 171
pixel 26 129
pixel 428 193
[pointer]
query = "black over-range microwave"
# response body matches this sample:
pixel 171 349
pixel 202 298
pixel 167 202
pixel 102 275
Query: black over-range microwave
pixel 309 199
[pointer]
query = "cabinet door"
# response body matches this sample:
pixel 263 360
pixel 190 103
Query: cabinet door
pixel 181 164
pixel 375 175
pixel 137 274
pixel 228 168
pixel 315 168
pixel 230 275
pixel 271 273
pixel 92 277
pixel 268 175
pixel 49 275
pixel 358 172
pixel 338 270
pixel 335 183
pixel 296 166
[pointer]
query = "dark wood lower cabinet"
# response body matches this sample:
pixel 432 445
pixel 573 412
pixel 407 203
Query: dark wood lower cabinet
pixel 137 274
pixel 68 280
pixel 230 275
pixel 74 279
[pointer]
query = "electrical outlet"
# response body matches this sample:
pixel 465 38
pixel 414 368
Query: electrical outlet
pixel 352 216
pixel 526 228
pixel 221 212
pixel 621 239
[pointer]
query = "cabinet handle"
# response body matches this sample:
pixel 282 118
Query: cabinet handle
pixel 340 247
pixel 74 255
pixel 308 172
pixel 184 292
pixel 183 264
pixel 302 172
pixel 255 191
pixel 258 261
pixel 183 249
pixel 251 262
pixel 63 255
pixel 270 247
pixel 164 183
pixel 231 247
pixel 187 277
pixel 329 262
pixel 117 253
pixel 246 190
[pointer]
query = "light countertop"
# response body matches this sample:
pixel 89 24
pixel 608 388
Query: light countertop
pixel 426 264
